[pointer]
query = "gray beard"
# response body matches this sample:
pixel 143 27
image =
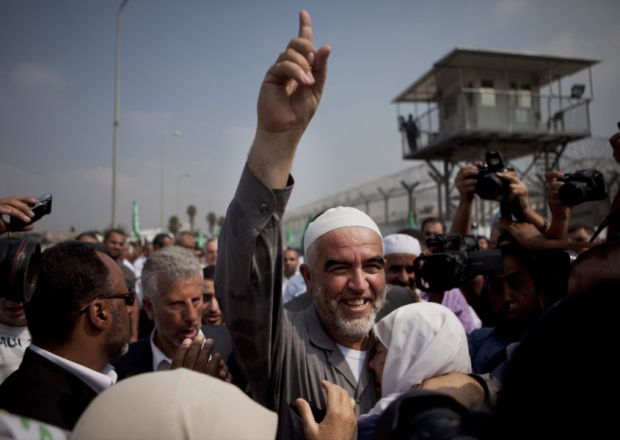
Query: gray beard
pixel 350 328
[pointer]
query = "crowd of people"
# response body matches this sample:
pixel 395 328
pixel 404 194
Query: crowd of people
pixel 104 347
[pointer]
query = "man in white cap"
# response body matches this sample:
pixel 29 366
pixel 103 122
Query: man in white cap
pixel 400 251
pixel 286 355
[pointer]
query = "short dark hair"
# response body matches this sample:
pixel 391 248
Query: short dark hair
pixel 158 241
pixel 114 231
pixel 289 248
pixel 577 226
pixel 428 220
pixel 71 275
pixel 208 273
pixel 87 234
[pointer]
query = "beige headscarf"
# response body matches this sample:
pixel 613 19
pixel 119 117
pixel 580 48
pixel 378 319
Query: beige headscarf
pixel 177 404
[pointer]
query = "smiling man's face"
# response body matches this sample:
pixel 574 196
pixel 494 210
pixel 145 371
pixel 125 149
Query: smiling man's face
pixel 347 282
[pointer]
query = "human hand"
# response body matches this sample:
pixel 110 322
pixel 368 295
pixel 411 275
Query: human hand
pixel 517 188
pixel 465 182
pixel 340 421
pixel 557 208
pixel 196 355
pixel 614 141
pixel 526 234
pixel 16 207
pixel 293 86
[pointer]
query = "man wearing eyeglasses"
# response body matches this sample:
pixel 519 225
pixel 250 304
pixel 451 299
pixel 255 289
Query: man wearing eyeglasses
pixel 79 320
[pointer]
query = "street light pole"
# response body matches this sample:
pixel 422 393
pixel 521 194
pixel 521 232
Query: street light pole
pixel 179 192
pixel 163 158
pixel 117 82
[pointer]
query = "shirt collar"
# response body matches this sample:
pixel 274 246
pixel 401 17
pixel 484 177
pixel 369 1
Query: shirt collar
pixel 98 381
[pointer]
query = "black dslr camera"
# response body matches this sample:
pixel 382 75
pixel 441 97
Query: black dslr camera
pixel 19 269
pixel 582 186
pixel 457 260
pixel 491 187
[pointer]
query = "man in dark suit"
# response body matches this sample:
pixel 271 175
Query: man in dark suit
pixel 79 320
pixel 172 283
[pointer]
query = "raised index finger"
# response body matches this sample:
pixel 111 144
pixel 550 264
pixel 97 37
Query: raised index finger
pixel 305 25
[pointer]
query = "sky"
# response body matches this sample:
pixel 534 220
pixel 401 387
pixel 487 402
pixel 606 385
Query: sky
pixel 196 66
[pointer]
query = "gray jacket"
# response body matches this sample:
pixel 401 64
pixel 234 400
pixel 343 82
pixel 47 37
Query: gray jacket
pixel 283 354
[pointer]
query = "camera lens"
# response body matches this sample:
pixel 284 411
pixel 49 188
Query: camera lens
pixel 573 193
pixel 19 269
pixel 489 187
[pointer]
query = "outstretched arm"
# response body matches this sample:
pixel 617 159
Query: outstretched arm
pixel 465 183
pixel 288 99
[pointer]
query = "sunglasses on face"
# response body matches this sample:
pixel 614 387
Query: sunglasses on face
pixel 129 298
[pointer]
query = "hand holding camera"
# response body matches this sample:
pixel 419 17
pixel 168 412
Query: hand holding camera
pixel 582 186
pixel 17 208
pixel 490 186
pixel 465 182
pixel 42 206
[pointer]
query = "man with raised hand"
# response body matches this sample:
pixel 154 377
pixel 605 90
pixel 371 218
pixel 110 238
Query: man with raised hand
pixel 286 355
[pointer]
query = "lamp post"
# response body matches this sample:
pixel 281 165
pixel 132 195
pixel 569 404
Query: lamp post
pixel 163 157
pixel 117 81
pixel 179 192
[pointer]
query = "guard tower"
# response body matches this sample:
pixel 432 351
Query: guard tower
pixel 475 100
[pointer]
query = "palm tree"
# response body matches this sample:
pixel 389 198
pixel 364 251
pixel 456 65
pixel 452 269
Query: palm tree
pixel 191 212
pixel 211 221
pixel 174 225
pixel 220 223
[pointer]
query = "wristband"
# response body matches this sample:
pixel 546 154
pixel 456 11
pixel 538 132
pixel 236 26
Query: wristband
pixel 545 225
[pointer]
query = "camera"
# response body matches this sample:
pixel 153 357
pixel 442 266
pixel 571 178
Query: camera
pixel 19 269
pixel 42 207
pixel 431 415
pixel 491 187
pixel 456 262
pixel 582 186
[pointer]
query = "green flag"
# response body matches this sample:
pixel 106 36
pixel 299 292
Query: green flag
pixel 291 240
pixel 200 241
pixel 411 220
pixel 135 220
pixel 217 232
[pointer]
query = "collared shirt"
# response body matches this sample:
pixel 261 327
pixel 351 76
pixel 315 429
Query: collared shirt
pixel 98 381
pixel 161 362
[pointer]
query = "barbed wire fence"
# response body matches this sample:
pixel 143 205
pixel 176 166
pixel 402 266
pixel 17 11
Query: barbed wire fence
pixel 390 200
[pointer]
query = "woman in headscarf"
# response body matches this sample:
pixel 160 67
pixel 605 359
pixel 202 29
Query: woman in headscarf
pixel 413 343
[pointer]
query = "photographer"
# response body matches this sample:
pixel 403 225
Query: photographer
pixel 14 334
pixel 17 207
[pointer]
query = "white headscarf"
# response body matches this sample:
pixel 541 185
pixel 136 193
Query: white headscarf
pixel 175 404
pixel 424 340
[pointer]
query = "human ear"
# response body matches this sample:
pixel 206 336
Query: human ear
pixel 305 272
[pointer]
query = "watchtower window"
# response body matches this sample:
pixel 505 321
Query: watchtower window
pixel 524 96
pixel 487 93
pixel 450 106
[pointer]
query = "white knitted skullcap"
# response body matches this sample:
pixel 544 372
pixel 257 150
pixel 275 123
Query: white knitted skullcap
pixel 335 218
pixel 401 244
